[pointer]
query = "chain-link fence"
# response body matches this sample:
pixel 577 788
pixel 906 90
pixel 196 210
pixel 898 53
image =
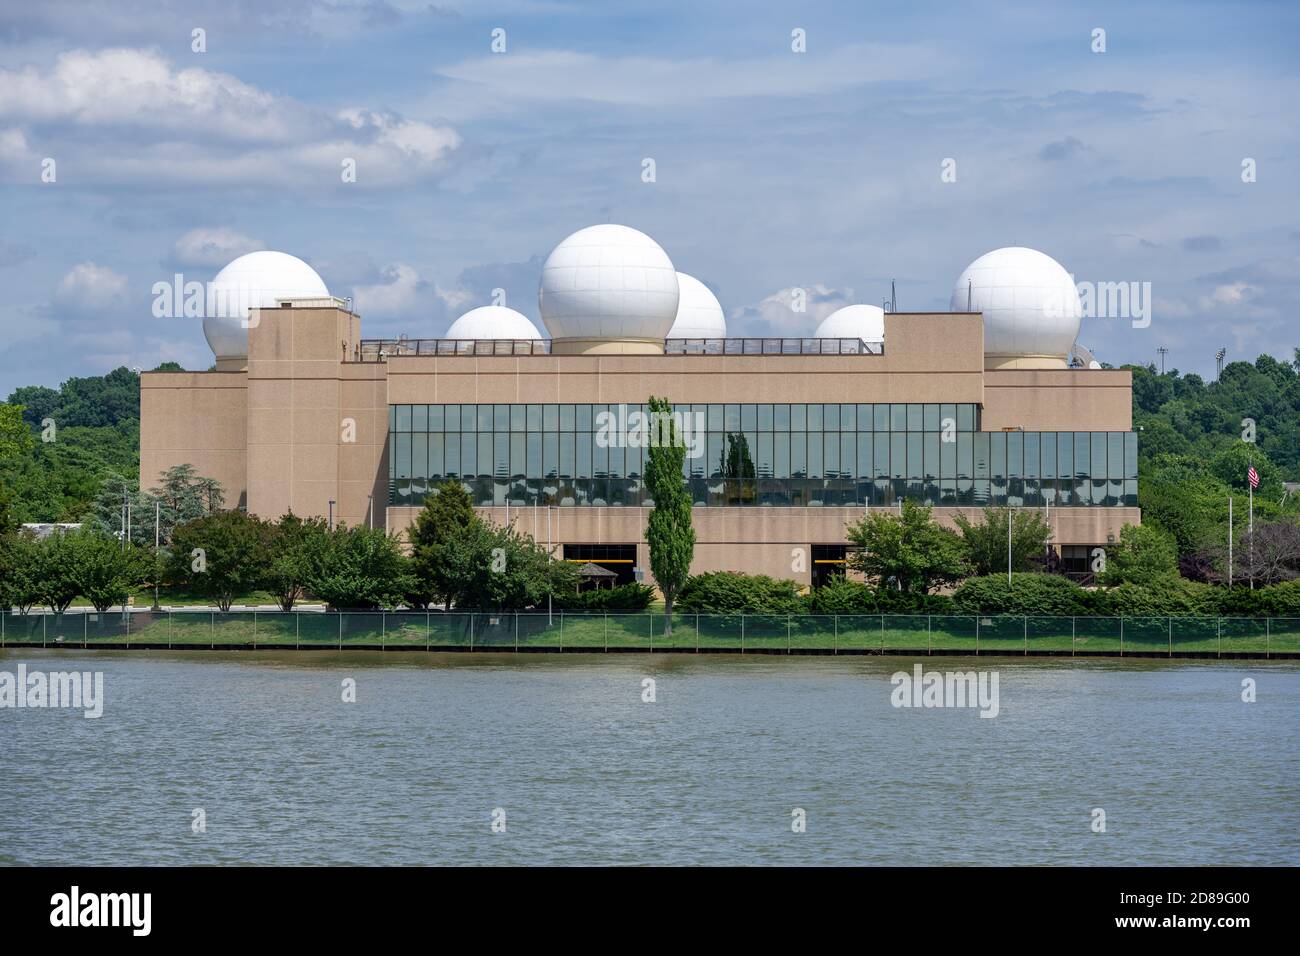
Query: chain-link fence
pixel 651 631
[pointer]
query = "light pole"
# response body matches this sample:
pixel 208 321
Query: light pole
pixel 1008 544
pixel 156 538
pixel 550 556
pixel 331 521
pixel 370 511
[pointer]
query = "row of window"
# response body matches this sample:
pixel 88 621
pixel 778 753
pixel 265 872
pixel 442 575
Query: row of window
pixel 757 455
pixel 785 492
pixel 796 417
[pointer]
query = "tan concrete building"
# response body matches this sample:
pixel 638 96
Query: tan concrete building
pixel 794 438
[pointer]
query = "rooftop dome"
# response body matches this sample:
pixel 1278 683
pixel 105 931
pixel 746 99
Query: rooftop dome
pixel 608 288
pixel 699 314
pixel 493 322
pixel 865 322
pixel 253 281
pixel 1030 304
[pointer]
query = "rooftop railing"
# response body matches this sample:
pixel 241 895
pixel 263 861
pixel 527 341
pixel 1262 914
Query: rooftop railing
pixel 772 346
pixel 380 350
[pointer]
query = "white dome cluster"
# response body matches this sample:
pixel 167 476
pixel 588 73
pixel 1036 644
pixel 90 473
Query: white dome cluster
pixel 1030 304
pixel 608 283
pixel 699 313
pixel 865 322
pixel 493 322
pixel 253 281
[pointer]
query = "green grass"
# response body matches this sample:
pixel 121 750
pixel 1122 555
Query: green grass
pixel 595 631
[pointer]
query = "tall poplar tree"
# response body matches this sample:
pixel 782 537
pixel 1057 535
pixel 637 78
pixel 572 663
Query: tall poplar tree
pixel 670 535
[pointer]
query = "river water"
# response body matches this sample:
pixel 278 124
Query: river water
pixel 564 749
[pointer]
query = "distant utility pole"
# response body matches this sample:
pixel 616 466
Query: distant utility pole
pixel 1163 352
pixel 1218 363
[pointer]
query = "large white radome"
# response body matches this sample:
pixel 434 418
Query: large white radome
pixel 1030 304
pixel 699 313
pixel 865 322
pixel 608 282
pixel 493 322
pixel 253 281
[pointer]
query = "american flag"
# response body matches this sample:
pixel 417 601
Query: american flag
pixel 1252 476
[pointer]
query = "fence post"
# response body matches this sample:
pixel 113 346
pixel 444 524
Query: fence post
pixel 1219 652
pixel 882 635
pixel 1268 636
pixel 1171 636
pixel 85 629
pixel 516 632
pixel 650 618
pixel 169 629
pixel 561 631
pixel 929 643
pixel 426 628
pixel 837 634
pixel 340 630
pixel 697 632
pixel 788 619
pixel 297 629
pixel 742 633
pixel 1121 635
pixel 255 629
pixel 977 636
pixel 1073 627
pixel 44 622
pixel 212 630
pixel 383 629
pixel 1025 621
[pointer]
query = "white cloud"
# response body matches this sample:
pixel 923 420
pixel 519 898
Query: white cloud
pixel 90 288
pixel 656 81
pixel 213 247
pixel 774 315
pixel 127 115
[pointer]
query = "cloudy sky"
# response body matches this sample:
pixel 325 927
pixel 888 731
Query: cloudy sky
pixel 773 169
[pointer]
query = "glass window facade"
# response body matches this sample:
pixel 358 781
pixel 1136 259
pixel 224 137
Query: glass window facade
pixel 818 455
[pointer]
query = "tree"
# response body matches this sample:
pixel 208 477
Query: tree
pixel 20 584
pixel 494 568
pixel 361 568
pixel 986 543
pixel 295 549
pixel 15 436
pixel 1144 555
pixel 909 551
pixel 445 519
pixel 221 556
pixel 669 532
pixel 184 495
pixel 56 569
pixel 106 572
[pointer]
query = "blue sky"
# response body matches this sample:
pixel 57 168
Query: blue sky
pixel 775 169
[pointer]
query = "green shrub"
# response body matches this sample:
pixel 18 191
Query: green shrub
pixel 718 592
pixel 1281 600
pixel 841 596
pixel 1026 593
pixel 625 597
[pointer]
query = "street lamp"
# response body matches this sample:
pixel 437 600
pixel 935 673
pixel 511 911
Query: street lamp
pixel 331 522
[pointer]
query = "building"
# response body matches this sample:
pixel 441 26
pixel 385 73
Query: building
pixel 790 439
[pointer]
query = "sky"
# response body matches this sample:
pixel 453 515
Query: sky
pixel 903 142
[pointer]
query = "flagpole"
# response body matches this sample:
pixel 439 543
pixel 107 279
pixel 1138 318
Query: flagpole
pixel 1251 532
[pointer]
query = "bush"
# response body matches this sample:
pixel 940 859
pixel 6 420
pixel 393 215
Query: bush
pixel 717 592
pixel 1281 600
pixel 625 597
pixel 1027 593
pixel 841 596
